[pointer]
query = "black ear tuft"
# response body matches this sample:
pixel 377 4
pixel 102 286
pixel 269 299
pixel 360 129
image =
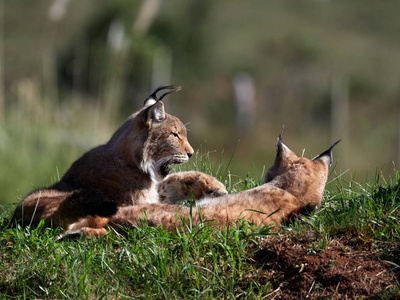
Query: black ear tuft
pixel 281 132
pixel 153 98
pixel 279 143
pixel 328 153
pixel 334 144
pixel 173 88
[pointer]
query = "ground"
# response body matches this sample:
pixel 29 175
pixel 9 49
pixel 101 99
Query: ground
pixel 343 268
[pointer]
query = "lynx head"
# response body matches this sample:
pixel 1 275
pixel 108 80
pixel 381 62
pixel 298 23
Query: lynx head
pixel 305 178
pixel 152 139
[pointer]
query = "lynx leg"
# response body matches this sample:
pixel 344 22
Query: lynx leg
pixel 189 185
pixel 88 231
pixel 90 226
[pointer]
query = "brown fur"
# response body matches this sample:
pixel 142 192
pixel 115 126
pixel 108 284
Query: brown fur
pixel 292 185
pixel 123 172
pixel 189 185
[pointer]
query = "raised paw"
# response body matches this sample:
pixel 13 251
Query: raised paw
pixel 189 185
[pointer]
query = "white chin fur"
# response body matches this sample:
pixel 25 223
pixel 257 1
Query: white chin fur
pixel 152 168
pixel 148 168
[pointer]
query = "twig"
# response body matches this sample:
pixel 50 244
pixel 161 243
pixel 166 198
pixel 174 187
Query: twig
pixel 273 292
pixel 309 291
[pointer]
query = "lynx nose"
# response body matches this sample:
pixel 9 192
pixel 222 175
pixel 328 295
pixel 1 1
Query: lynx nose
pixel 189 151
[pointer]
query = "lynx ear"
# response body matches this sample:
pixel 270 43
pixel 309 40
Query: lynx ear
pixel 149 102
pixel 327 156
pixel 155 114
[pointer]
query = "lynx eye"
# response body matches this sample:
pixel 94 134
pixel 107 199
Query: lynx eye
pixel 175 134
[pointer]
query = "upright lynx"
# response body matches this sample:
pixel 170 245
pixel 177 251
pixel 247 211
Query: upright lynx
pixel 128 170
pixel 292 185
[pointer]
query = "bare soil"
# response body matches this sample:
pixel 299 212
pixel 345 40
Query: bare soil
pixel 343 268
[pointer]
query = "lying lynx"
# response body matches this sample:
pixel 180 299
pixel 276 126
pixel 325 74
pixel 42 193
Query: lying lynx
pixel 128 170
pixel 292 185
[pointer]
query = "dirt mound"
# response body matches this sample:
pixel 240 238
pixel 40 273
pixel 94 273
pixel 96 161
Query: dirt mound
pixel 342 268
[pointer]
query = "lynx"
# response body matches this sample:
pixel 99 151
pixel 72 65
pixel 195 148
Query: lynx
pixel 292 185
pixel 126 171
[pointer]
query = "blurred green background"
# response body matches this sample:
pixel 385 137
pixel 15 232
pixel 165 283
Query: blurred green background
pixel 72 70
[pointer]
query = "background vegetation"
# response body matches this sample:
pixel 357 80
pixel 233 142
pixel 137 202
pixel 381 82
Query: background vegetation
pixel 72 71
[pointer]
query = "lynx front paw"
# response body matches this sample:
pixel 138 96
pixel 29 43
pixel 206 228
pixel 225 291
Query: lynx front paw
pixel 189 185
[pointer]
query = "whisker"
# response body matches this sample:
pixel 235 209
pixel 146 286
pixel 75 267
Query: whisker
pixel 161 161
pixel 187 125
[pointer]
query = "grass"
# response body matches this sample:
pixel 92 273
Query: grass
pixel 370 211
pixel 200 262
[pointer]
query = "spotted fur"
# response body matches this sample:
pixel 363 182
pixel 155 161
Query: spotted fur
pixel 125 171
pixel 189 185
